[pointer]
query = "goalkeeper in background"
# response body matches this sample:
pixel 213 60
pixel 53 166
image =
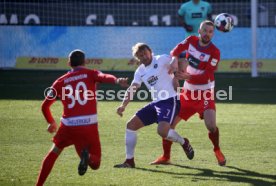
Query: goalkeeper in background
pixel 192 13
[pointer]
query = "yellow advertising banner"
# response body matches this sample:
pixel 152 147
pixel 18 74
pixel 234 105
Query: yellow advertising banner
pixel 52 63
pixel 244 65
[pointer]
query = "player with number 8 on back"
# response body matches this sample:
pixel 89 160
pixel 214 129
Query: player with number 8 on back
pixel 79 125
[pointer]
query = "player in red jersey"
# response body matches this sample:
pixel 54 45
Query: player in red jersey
pixel 197 95
pixel 79 124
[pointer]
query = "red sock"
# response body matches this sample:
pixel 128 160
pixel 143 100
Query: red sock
pixel 46 168
pixel 214 137
pixel 167 148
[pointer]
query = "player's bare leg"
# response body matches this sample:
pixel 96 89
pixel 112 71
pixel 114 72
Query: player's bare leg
pixel 210 122
pixel 48 164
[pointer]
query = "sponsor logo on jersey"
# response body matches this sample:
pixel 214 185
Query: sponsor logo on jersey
pixel 155 66
pixel 197 15
pixel 152 80
pixel 193 61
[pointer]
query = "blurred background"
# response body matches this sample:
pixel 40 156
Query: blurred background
pixel 36 37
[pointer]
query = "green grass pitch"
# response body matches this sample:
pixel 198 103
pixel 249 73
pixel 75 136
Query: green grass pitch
pixel 248 140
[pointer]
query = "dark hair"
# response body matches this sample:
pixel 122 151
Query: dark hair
pixel 76 58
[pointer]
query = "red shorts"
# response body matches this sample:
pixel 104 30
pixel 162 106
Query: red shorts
pixel 81 137
pixel 195 102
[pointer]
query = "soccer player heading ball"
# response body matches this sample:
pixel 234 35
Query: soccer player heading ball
pixel 202 57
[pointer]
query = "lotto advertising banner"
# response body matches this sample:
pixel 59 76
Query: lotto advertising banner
pixel 242 65
pixel 52 63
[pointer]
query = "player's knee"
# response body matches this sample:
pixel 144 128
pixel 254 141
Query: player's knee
pixel 131 125
pixel 134 124
pixel 163 134
pixel 163 130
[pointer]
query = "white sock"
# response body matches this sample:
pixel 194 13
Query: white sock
pixel 131 139
pixel 175 137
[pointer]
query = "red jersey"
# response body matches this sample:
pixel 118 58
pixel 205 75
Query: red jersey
pixel 77 92
pixel 202 61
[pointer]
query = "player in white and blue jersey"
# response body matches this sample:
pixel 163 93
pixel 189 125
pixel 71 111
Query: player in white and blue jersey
pixel 153 72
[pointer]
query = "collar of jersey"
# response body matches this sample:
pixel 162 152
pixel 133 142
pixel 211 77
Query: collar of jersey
pixel 200 47
pixel 77 69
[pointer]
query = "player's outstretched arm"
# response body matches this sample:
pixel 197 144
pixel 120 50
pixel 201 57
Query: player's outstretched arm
pixel 130 92
pixel 123 82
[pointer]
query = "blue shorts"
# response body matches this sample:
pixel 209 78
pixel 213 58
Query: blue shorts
pixel 155 112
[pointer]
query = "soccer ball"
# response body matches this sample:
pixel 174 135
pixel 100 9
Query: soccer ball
pixel 224 22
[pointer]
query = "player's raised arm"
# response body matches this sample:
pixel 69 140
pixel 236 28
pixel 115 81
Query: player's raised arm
pixel 123 82
pixel 128 97
pixel 109 78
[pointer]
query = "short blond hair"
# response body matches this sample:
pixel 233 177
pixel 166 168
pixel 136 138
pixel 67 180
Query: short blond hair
pixel 207 22
pixel 138 47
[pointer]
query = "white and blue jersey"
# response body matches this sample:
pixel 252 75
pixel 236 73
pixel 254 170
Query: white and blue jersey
pixel 156 78
pixel 165 105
